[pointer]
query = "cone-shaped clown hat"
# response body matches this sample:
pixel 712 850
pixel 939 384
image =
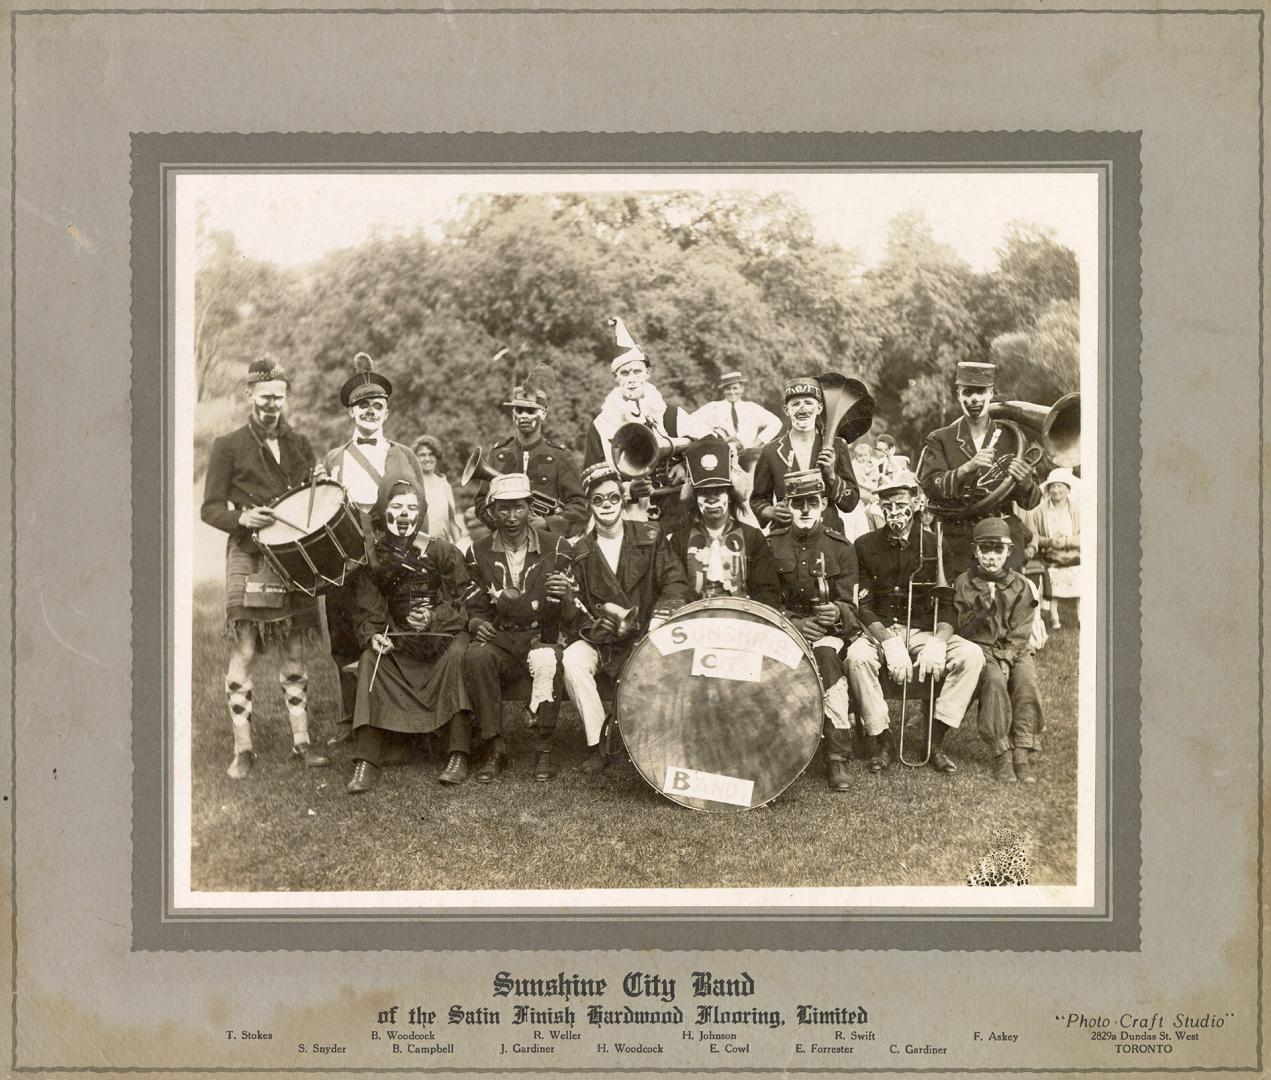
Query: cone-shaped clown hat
pixel 621 346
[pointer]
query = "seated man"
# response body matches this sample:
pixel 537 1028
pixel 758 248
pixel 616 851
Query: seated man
pixel 722 554
pixel 520 591
pixel 885 560
pixel 995 609
pixel 817 566
pixel 408 608
pixel 618 565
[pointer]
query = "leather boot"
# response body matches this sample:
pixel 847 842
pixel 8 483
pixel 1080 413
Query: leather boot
pixel 364 777
pixel 456 770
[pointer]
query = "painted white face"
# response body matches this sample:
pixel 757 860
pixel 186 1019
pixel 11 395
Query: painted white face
pixel 713 504
pixel 898 511
pixel 807 511
pixel 605 501
pixel 732 392
pixel 401 515
pixel 527 421
pixel 631 378
pixel 992 555
pixel 268 400
pixel 369 415
pixel 803 412
pixel 974 400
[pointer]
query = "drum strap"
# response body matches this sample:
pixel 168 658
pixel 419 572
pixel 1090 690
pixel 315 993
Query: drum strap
pixel 361 459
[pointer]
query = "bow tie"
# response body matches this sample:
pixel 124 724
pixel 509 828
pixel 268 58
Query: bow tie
pixel 901 542
pixel 368 442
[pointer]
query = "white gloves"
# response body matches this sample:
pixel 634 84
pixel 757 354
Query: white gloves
pixel 931 659
pixel 899 666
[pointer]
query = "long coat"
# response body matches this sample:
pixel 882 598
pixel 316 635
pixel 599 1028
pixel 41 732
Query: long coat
pixel 747 546
pixel 778 458
pixel 495 597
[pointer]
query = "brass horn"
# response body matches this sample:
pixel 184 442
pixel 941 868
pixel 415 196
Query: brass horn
pixel 849 408
pixel 637 449
pixel 477 468
pixel 621 621
pixel 1056 429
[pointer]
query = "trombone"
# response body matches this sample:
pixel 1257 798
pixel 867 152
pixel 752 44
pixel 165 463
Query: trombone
pixel 939 591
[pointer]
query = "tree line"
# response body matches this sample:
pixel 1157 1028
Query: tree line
pixel 705 282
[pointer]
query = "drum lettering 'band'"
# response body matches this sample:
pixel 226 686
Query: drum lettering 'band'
pixel 714 787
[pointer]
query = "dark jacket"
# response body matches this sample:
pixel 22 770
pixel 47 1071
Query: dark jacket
pixel 650 575
pixel 748 549
pixel 777 459
pixel 996 615
pixel 798 562
pixel 884 570
pixel 552 471
pixel 495 597
pixel 423 569
pixel 946 449
pixel 242 474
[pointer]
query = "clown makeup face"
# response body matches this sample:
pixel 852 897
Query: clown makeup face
pixel 528 422
pixel 605 501
pixel 974 400
pixel 992 555
pixel 898 511
pixel 401 515
pixel 268 399
pixel 713 504
pixel 803 412
pixel 631 378
pixel 512 517
pixel 807 511
pixel 732 392
pixel 368 415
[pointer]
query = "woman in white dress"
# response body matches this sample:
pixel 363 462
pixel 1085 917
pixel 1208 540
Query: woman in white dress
pixel 1056 525
pixel 444 520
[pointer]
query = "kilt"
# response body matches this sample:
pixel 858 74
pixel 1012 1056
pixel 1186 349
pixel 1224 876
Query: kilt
pixel 298 613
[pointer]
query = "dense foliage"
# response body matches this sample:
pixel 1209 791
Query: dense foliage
pixel 705 282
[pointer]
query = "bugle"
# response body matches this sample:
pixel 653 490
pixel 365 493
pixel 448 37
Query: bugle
pixel 477 468
pixel 639 448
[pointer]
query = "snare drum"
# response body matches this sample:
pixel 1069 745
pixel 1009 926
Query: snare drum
pixel 313 553
pixel 721 706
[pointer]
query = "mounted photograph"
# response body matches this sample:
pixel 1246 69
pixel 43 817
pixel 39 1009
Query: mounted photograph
pixel 688 540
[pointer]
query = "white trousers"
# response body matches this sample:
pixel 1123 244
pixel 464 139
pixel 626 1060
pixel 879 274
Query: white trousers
pixel 581 661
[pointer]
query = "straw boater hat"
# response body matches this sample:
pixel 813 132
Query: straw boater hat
pixel 621 345
pixel 729 378
pixel 365 382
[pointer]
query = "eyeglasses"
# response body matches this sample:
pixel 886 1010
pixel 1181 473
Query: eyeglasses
pixel 606 500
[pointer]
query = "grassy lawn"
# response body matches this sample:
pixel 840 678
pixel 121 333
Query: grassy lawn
pixel 289 828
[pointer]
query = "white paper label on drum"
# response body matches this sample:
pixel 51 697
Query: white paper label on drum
pixel 713 787
pixel 728 664
pixel 738 634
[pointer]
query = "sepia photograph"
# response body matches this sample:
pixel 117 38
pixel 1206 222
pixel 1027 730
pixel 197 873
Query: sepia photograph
pixel 575 540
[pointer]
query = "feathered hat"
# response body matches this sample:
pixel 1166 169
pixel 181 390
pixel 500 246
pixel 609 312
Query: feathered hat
pixel 365 382
pixel 534 390
pixel 621 346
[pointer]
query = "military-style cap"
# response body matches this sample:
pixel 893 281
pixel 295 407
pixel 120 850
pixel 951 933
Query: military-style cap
pixel 729 378
pixel 804 482
pixel 804 388
pixel 991 528
pixel 899 480
pixel 526 397
pixel 509 486
pixel 265 369
pixel 595 475
pixel 973 374
pixel 621 345
pixel 708 464
pixel 365 383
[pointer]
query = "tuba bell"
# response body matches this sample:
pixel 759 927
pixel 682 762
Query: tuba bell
pixel 849 408
pixel 1056 429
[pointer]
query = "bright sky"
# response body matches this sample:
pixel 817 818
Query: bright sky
pixel 294 218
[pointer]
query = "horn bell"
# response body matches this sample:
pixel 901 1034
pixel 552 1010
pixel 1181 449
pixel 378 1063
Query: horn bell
pixel 849 407
pixel 635 450
pixel 476 468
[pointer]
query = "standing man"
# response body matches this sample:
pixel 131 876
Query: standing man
pixel 955 456
pixel 246 470
pixel 886 558
pixel 618 565
pixel 747 423
pixel 805 446
pixel 817 566
pixel 363 465
pixel 521 587
pixel 722 555
pixel 636 400
pixel 550 466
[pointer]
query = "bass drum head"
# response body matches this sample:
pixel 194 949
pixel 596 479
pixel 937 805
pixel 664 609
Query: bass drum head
pixel 328 497
pixel 721 706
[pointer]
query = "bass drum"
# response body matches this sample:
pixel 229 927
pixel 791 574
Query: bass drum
pixel 721 706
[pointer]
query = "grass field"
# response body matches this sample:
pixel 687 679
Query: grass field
pixel 287 828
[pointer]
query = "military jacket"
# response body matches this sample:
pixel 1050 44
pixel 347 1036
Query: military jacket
pixel 800 561
pixel 553 471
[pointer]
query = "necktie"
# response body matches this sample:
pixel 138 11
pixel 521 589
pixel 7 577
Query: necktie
pixel 736 421
pixel 367 442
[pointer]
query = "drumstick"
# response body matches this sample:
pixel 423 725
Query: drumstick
pixel 378 657
pixel 313 489
pixel 290 524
